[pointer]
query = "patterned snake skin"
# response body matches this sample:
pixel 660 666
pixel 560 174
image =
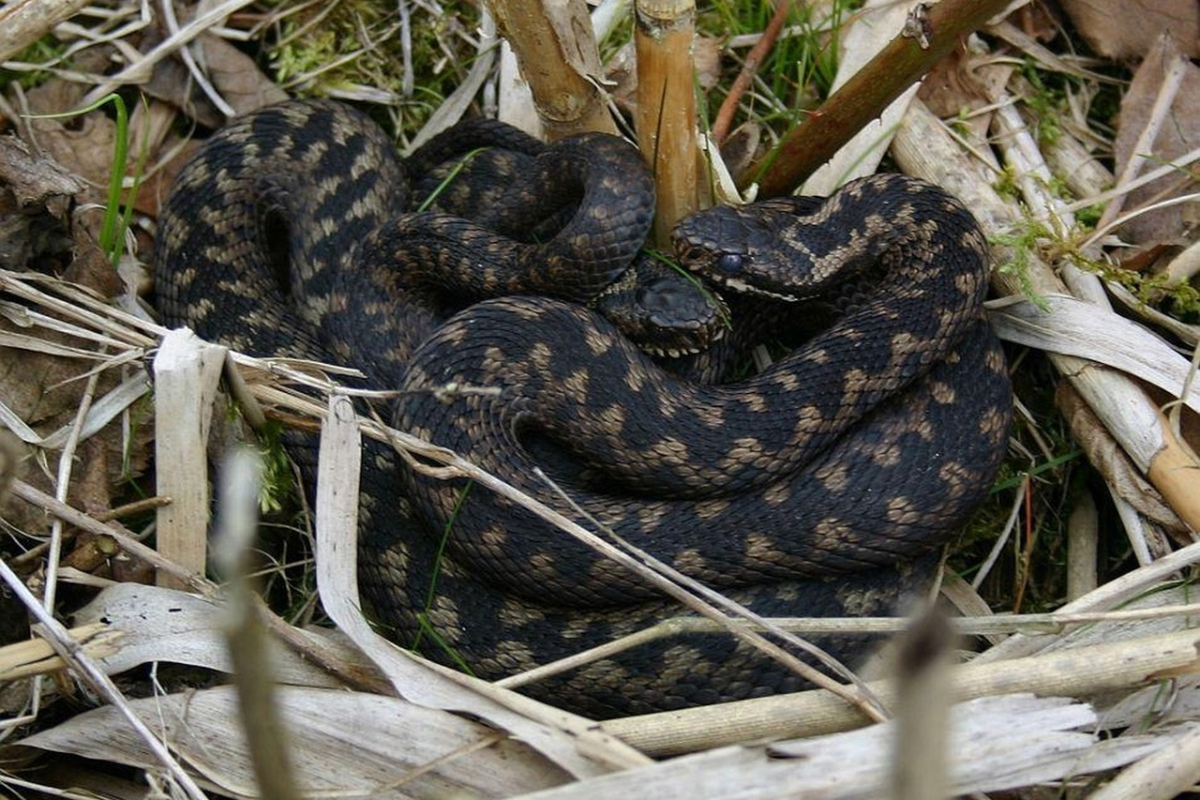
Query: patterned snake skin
pixel 819 486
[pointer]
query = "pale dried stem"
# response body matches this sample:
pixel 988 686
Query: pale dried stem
pixel 167 8
pixel 66 460
pixel 992 626
pixel 1159 172
pixel 36 657
pixel 1169 773
pixel 1074 164
pixel 1075 672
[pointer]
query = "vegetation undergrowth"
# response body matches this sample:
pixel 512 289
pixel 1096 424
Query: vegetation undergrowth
pixel 409 60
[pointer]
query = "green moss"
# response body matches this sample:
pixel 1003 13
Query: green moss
pixel 354 48
pixel 1022 244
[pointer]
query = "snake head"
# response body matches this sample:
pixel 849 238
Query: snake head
pixel 744 248
pixel 664 312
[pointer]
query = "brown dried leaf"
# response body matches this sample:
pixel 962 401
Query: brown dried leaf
pixel 239 80
pixel 951 87
pixel 34 181
pixel 234 75
pixel 170 83
pixel 1038 20
pixel 44 391
pixel 156 186
pixel 90 265
pixel 35 194
pixel 1127 29
pixel 741 148
pixel 82 144
pixel 1179 133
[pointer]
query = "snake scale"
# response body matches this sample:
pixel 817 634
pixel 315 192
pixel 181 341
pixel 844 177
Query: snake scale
pixel 822 485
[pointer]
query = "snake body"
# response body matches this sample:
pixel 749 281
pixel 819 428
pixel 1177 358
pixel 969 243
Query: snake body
pixel 811 488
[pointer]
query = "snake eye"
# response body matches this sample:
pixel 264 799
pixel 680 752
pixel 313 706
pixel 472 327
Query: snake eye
pixel 730 263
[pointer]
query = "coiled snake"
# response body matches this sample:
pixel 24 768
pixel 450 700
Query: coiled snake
pixel 808 489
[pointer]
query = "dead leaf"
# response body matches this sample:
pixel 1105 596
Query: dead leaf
pixel 44 391
pixel 82 144
pixel 90 266
pixel 1127 29
pixel 341 743
pixel 35 195
pixel 234 75
pixel 1179 133
pixel 1038 20
pixel 154 189
pixel 742 148
pixel 237 77
pixel 36 182
pixel 171 84
pixel 954 85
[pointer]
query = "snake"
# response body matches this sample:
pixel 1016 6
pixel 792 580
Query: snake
pixel 822 485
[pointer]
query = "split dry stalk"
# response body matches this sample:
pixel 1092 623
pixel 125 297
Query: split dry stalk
pixel 24 22
pixel 187 373
pixel 556 50
pixel 666 108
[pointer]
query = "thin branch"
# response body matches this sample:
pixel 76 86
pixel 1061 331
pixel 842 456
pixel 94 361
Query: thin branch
pixel 905 60
pixel 741 84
